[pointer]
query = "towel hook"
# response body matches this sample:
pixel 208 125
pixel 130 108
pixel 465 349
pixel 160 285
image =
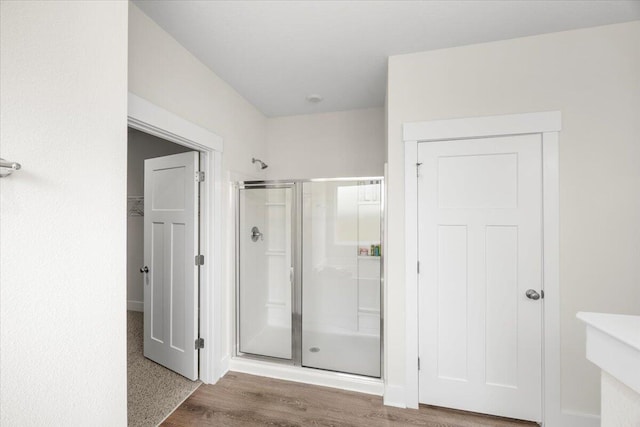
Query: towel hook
pixel 11 166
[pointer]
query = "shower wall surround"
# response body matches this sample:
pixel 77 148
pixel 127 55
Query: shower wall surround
pixel 264 270
pixel 309 273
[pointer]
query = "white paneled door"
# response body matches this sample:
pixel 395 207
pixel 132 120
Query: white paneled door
pixel 480 279
pixel 170 249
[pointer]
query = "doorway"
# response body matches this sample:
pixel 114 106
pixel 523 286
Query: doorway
pixel 480 281
pixel 154 390
pixel 543 127
pixel 151 119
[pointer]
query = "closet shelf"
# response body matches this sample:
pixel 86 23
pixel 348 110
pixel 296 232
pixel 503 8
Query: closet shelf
pixel 135 205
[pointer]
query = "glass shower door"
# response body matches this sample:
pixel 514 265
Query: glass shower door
pixel 341 272
pixel 265 271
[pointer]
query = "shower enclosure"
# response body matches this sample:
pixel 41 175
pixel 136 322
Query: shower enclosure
pixel 309 273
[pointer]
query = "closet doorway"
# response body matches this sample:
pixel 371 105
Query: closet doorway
pixel 155 121
pixel 162 277
pixel 481 256
pixel 480 281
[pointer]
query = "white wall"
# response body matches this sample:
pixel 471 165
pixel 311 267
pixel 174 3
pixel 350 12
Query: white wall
pixel 62 298
pixel 327 145
pixel 166 74
pixel 592 76
pixel 140 146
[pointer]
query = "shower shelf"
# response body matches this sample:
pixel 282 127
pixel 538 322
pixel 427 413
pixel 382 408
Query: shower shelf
pixel 275 253
pixel 369 257
pixel 277 304
pixel 364 310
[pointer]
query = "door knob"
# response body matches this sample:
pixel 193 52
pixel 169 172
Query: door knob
pixel 531 294
pixel 144 269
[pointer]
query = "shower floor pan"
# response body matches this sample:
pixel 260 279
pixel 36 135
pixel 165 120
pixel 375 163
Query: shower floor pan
pixel 341 352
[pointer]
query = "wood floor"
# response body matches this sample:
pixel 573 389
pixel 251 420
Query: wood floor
pixel 247 400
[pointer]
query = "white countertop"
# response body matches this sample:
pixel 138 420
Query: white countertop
pixel 613 343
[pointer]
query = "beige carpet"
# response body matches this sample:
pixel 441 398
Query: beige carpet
pixel 153 391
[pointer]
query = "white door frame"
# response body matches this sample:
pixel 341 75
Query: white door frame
pixel 548 124
pixel 149 118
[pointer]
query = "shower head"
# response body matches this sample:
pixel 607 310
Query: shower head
pixel 263 165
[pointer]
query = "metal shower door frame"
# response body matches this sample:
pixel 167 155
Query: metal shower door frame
pixel 296 262
pixel 297 251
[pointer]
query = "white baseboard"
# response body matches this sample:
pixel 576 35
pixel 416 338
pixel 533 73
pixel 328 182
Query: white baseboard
pixel 394 396
pixel 224 365
pixel 574 419
pixel 135 306
pixel 308 376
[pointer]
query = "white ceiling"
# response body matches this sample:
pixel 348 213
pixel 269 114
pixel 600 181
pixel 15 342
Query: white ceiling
pixel 275 53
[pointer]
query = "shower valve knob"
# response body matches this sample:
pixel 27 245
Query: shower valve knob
pixel 256 234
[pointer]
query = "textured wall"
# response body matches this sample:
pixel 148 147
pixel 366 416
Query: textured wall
pixel 63 107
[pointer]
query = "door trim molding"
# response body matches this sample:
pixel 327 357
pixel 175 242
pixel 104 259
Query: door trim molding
pixel 482 127
pixel 548 125
pixel 152 119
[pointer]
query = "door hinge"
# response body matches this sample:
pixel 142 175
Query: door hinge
pixel 418 267
pixel 199 259
pixel 200 176
pixel 199 343
pixel 418 170
pixel 418 363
